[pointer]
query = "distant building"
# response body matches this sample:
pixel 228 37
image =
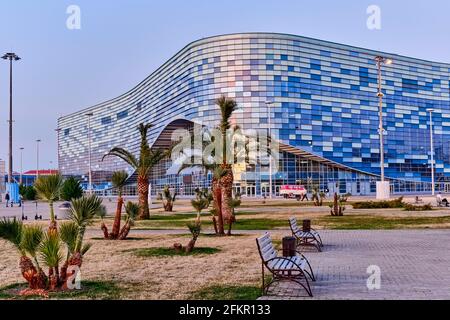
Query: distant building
pixel 28 177
pixel 324 113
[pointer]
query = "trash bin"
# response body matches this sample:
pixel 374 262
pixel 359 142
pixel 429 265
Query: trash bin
pixel 306 225
pixel 289 246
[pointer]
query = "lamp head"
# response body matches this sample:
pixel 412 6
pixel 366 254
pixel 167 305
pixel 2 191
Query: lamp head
pixel 11 56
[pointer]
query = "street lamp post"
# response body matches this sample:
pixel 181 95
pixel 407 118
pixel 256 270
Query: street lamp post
pixel 89 115
pixel 382 186
pixel 21 165
pixel 37 158
pixel 11 56
pixel 269 120
pixel 433 186
pixel 57 130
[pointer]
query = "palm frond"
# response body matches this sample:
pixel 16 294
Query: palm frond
pixel 84 209
pixel 82 213
pixel 48 188
pixel 50 250
pixel 123 154
pixel 150 159
pixel 195 228
pixel 31 239
pixel 227 107
pixel 68 232
pixel 102 212
pixel 220 172
pixel 200 204
pixel 11 230
pixel 86 248
pixel 119 179
pixel 132 210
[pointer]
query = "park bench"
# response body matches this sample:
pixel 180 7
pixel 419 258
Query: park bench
pixel 296 269
pixel 418 200
pixel 305 238
pixel 442 203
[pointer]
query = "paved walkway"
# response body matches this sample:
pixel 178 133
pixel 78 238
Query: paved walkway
pixel 30 209
pixel 414 265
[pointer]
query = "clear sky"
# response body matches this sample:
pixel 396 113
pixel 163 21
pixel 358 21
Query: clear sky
pixel 122 41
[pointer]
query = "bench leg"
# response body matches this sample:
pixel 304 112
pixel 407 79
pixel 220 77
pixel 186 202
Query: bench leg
pixel 310 272
pixel 307 287
pixel 314 244
pixel 263 279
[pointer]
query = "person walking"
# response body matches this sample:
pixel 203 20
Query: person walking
pixel 7 198
pixel 20 200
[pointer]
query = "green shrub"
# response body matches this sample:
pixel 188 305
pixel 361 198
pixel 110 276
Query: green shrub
pixel 27 192
pixel 71 189
pixel 386 204
pixel 425 207
pixel 22 190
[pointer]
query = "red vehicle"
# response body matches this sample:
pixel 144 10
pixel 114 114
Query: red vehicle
pixel 291 191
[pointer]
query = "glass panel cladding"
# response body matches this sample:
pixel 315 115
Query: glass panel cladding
pixel 325 106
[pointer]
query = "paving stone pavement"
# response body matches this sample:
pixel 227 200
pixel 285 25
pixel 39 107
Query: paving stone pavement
pixel 415 264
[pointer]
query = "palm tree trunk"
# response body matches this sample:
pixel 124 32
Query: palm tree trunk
pixel 53 225
pixel 227 194
pixel 217 198
pixel 116 226
pixel 143 197
pixel 125 231
pixel 105 230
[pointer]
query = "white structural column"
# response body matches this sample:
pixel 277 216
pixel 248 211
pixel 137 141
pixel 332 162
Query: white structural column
pixel 433 186
pixel 89 115
pixel 269 120
pixel 383 187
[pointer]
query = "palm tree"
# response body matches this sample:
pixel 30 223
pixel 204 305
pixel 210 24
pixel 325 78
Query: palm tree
pixel 48 188
pixel 209 166
pixel 119 179
pixel 82 212
pixel 32 243
pixel 168 199
pixel 132 210
pixel 148 159
pixel 227 107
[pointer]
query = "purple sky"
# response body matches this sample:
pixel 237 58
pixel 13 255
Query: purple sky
pixel 122 42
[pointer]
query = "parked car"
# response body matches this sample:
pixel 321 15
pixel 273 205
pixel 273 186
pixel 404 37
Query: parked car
pixel 291 191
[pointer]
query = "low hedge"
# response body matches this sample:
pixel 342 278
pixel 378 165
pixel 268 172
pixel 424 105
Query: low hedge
pixel 391 204
pixel 411 207
pixel 385 204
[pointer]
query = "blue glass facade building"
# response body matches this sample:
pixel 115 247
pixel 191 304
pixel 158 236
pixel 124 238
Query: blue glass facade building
pixel 324 112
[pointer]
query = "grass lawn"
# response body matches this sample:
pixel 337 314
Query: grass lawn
pixel 364 222
pixel 89 290
pixel 257 221
pixel 228 292
pixel 170 252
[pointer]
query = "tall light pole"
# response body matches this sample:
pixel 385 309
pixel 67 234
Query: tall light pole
pixel 89 115
pixel 11 56
pixel 383 188
pixel 37 157
pixel 21 165
pixel 433 187
pixel 57 130
pixel 269 120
